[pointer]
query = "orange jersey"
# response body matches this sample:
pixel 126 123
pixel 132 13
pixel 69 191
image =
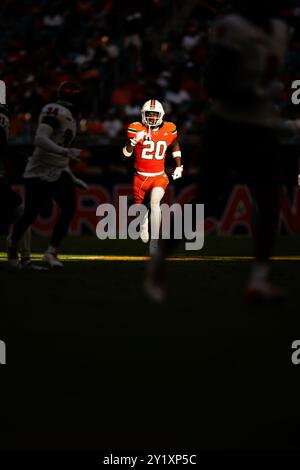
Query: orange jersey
pixel 150 153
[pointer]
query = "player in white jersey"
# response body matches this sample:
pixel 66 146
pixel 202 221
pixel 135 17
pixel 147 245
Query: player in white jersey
pixel 11 208
pixel 47 174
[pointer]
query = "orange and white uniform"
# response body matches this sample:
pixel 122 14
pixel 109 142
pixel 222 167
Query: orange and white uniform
pixel 150 154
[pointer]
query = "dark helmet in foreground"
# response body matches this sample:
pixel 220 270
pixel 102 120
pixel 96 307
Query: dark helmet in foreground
pixel 70 94
pixel 261 11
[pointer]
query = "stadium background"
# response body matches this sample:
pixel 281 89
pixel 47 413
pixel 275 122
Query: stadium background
pixel 101 366
pixel 121 53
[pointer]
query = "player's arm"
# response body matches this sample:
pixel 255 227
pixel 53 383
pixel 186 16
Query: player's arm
pixel 128 149
pixel 43 139
pixel 134 139
pixel 79 183
pixel 176 152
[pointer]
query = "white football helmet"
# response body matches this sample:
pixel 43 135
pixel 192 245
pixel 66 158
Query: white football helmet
pixel 152 106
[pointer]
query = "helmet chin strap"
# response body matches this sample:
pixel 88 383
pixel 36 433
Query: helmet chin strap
pixel 148 135
pixel 150 126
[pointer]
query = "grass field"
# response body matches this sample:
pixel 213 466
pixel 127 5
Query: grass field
pixel 91 363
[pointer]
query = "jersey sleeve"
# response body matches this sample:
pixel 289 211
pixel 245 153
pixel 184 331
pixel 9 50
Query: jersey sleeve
pixel 173 129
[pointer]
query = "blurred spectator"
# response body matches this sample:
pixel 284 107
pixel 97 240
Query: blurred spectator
pixel 112 123
pixel 121 52
pixel 191 39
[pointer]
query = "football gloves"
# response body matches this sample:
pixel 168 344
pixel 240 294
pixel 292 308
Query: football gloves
pixel 139 136
pixel 178 172
pixel 73 154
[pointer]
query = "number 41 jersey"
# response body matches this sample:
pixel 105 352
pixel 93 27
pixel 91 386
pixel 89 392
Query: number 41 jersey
pixel 46 165
pixel 150 152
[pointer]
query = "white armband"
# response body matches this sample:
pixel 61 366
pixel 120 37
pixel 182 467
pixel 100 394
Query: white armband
pixel 126 153
pixel 176 154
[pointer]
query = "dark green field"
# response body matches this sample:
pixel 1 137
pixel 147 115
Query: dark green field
pixel 91 363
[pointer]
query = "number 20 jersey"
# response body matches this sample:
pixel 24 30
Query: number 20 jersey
pixel 150 153
pixel 46 165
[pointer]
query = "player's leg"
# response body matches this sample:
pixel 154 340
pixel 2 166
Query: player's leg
pixel 259 286
pixel 212 190
pixel 34 195
pixel 64 193
pixel 140 188
pixel 35 191
pixel 155 279
pixel 145 228
pixel 25 248
pixel 158 185
pixel 9 201
pixel 265 188
pixel 24 245
pixel 25 240
pixel 252 153
pixel 157 193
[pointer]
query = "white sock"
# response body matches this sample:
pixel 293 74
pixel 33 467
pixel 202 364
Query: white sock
pixel 145 223
pixel 156 196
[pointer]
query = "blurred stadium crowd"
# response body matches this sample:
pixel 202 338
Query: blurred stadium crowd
pixel 121 52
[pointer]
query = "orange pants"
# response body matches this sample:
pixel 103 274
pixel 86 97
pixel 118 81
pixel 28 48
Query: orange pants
pixel 142 185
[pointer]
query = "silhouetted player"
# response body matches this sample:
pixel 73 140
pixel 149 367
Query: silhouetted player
pixel 243 128
pixel 47 175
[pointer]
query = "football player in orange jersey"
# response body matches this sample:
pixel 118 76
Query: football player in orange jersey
pixel 149 140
